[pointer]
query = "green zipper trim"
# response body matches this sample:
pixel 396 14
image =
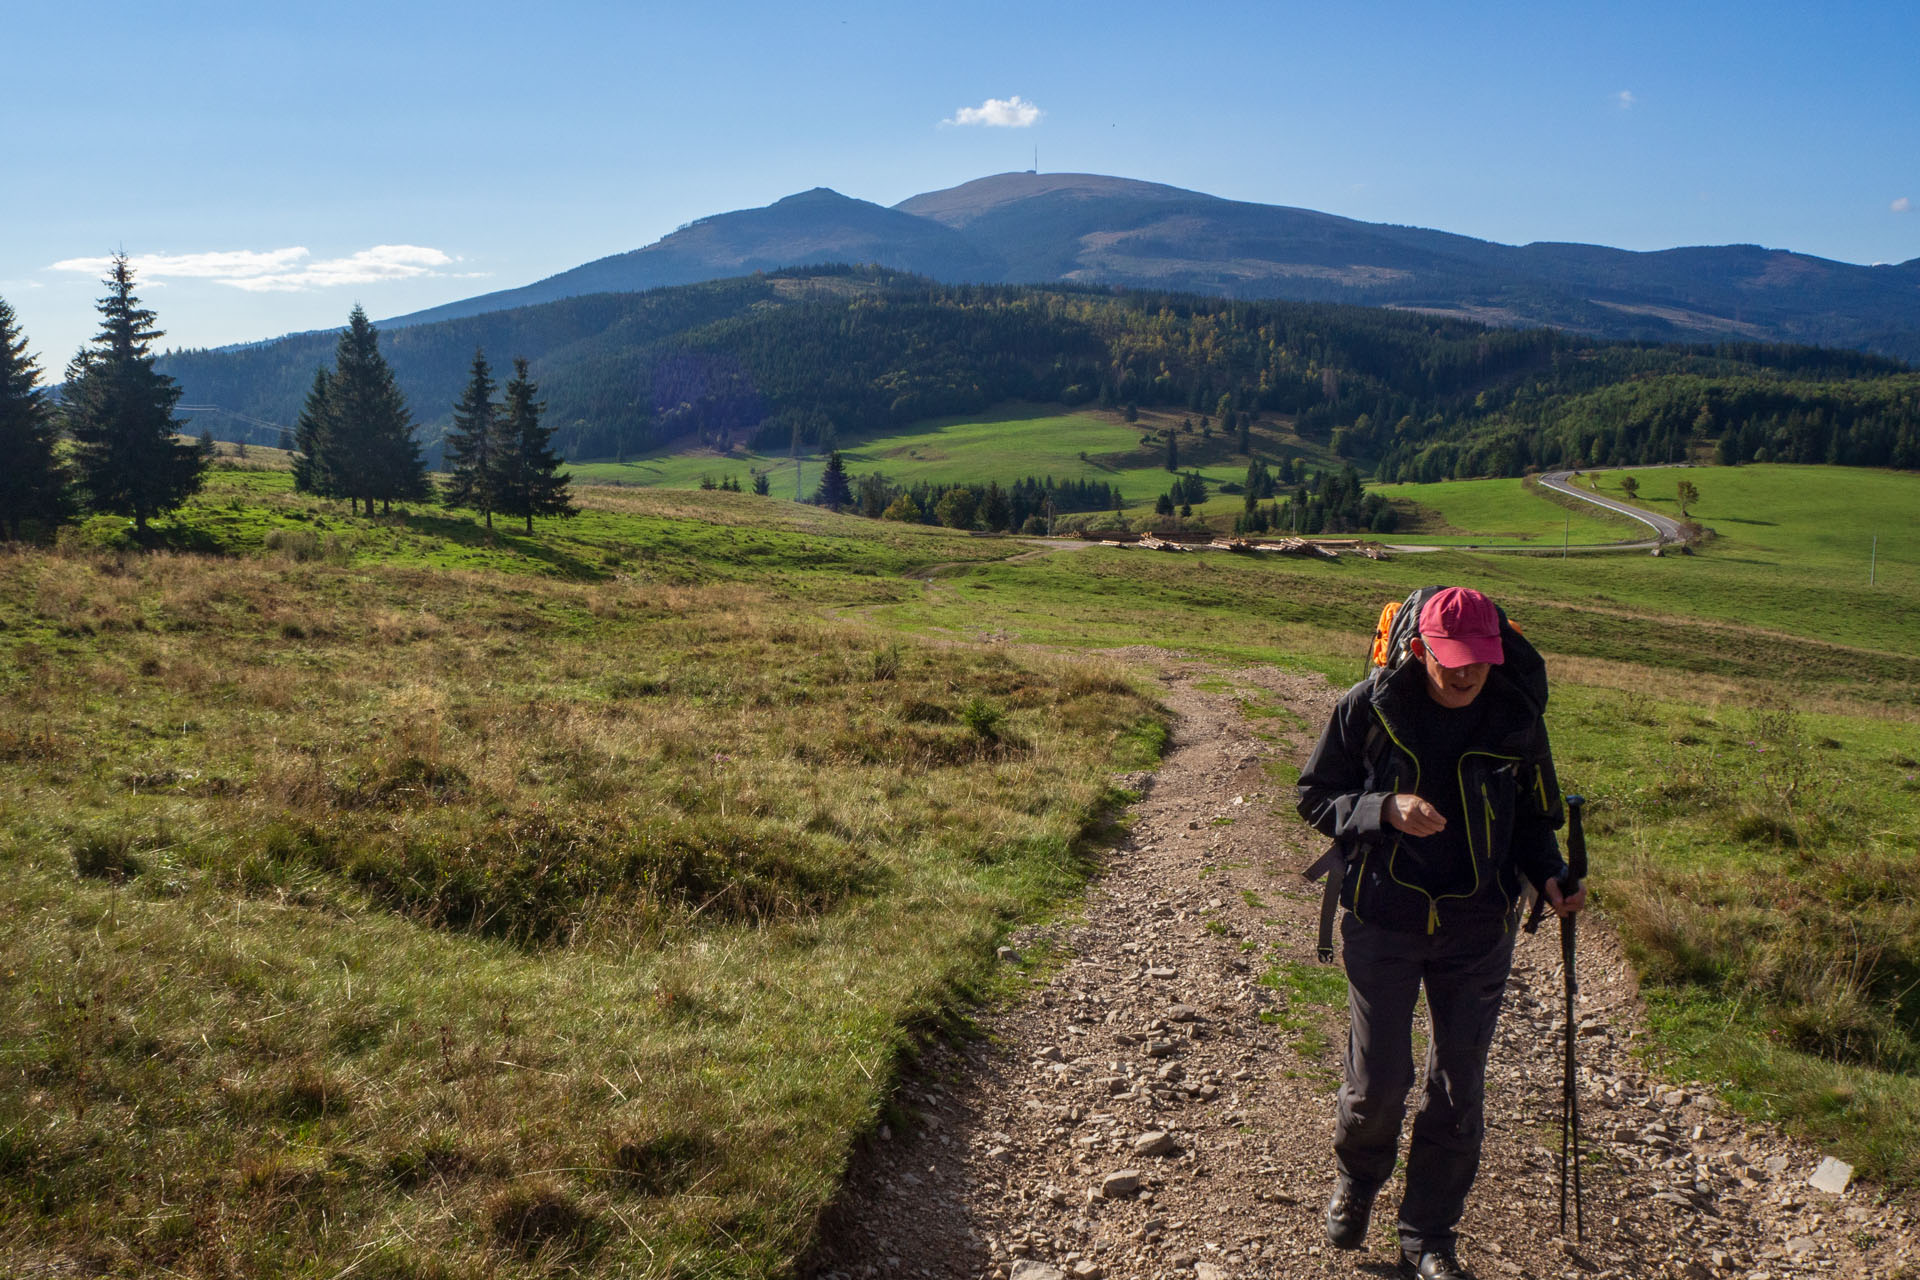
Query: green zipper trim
pixel 1433 911
pixel 1487 803
pixel 1433 902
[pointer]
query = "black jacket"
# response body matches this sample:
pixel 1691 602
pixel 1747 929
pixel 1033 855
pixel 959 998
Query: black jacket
pixel 1507 787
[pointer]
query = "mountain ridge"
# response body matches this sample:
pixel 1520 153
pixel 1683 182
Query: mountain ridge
pixel 1096 229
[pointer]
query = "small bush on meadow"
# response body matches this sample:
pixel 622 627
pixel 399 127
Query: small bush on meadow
pixel 983 718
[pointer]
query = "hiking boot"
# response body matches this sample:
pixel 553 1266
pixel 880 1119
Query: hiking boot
pixel 1347 1212
pixel 1433 1264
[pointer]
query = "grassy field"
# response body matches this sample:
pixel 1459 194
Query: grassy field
pixel 1501 512
pixel 370 908
pixel 1007 445
pixel 384 897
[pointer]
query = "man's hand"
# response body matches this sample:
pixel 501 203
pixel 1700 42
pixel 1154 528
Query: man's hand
pixel 1565 904
pixel 1411 814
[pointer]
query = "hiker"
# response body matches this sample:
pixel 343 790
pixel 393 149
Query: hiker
pixel 1436 783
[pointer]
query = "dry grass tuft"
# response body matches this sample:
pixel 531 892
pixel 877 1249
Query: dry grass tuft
pixel 537 1218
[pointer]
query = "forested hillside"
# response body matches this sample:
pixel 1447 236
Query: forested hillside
pixel 821 356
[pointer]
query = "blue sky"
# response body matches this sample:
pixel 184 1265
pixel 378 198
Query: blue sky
pixel 268 166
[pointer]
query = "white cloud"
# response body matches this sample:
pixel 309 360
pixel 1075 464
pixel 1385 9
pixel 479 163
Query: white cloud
pixel 1626 99
pixel 1902 205
pixel 1005 113
pixel 288 270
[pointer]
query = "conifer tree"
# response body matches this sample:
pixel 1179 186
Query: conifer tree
pixel 835 491
pixel 312 443
pixel 370 452
pixel 120 413
pixel 996 511
pixel 476 453
pixel 532 483
pixel 32 483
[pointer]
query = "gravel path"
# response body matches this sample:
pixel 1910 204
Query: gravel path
pixel 1160 1103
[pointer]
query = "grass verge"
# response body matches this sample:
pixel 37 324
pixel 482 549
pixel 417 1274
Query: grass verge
pixel 404 918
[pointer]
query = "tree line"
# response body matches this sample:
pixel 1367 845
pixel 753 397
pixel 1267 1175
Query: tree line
pixel 112 442
pixel 1028 505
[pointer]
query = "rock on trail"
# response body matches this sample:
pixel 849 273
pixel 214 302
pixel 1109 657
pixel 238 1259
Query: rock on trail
pixel 1160 1104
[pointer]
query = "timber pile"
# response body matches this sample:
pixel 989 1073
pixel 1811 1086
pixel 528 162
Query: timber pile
pixel 1300 547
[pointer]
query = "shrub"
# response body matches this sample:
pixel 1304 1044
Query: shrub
pixel 983 718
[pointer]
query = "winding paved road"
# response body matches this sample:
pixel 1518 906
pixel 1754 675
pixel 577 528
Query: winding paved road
pixel 1668 530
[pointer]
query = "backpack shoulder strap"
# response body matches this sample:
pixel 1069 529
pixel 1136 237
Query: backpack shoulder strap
pixel 1333 863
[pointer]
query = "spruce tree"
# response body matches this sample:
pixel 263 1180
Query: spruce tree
pixel 475 452
pixel 313 441
pixel 835 491
pixel 532 483
pixel 32 483
pixel 120 413
pixel 370 451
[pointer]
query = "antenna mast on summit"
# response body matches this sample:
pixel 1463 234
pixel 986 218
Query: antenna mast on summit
pixel 1036 157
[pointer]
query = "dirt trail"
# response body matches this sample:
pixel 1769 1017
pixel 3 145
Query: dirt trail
pixel 1151 1046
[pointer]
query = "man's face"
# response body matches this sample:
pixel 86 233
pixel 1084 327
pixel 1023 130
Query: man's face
pixel 1452 687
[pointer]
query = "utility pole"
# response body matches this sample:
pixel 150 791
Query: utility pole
pixel 1566 535
pixel 1873 559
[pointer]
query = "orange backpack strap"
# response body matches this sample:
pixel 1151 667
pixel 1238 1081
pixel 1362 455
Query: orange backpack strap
pixel 1382 631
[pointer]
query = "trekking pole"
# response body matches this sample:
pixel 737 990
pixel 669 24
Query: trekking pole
pixel 1570 1094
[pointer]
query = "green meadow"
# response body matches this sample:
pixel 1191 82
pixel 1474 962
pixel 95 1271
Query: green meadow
pixel 1007 445
pixel 389 898
pixel 1507 512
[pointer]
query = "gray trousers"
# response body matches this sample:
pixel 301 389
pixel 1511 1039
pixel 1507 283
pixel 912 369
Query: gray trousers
pixel 1465 975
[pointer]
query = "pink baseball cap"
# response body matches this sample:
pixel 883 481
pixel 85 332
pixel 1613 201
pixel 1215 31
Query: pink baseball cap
pixel 1461 626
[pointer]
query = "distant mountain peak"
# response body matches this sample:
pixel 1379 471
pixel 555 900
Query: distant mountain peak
pixel 957 206
pixel 815 195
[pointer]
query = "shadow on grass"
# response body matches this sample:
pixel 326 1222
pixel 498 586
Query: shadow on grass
pixel 180 537
pixel 1744 520
pixel 465 532
pixel 461 531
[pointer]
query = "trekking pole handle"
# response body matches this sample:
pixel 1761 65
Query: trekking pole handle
pixel 1576 860
pixel 1576 844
